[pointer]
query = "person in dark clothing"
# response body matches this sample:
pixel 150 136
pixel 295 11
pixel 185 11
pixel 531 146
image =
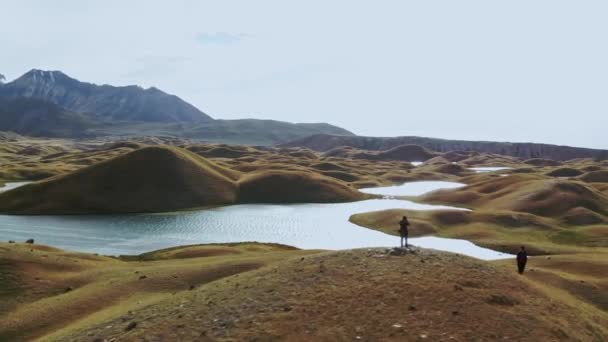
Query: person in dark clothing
pixel 522 259
pixel 403 230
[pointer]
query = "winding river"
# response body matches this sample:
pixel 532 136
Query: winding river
pixel 310 226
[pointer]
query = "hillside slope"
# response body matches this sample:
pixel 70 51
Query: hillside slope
pixel 52 104
pixel 240 131
pixel 524 193
pixel 151 179
pixel 130 178
pixel 40 118
pixel 45 291
pixel 294 187
pixel 367 295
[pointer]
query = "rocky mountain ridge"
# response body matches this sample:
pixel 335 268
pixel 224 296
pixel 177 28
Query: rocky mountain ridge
pixel 104 102
pixel 53 104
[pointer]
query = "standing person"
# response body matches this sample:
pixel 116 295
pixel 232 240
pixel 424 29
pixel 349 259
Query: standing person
pixel 403 230
pixel 522 259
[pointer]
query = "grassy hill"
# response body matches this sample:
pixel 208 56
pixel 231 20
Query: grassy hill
pixel 294 187
pixel 410 153
pixel 268 293
pixel 129 178
pixel 46 292
pixel 151 179
pixel 260 292
pixel 526 193
pixel 549 215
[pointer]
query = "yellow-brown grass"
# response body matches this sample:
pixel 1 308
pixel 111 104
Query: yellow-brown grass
pixel 599 176
pixel 525 193
pixel 577 279
pixel 363 295
pixel 294 187
pixel 146 180
pixel 48 291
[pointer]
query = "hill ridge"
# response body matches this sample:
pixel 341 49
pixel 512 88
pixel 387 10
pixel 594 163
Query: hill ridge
pixel 326 142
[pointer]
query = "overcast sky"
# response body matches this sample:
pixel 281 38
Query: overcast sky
pixel 477 70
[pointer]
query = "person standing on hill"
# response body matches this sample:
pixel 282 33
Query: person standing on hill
pixel 522 259
pixel 403 230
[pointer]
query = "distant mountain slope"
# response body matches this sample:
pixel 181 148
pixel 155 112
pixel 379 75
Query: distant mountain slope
pixel 52 104
pixel 244 131
pixel 326 142
pixel 260 132
pixel 130 103
pixel 41 118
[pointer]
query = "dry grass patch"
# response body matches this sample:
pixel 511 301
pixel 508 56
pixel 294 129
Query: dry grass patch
pixel 361 294
pixel 46 291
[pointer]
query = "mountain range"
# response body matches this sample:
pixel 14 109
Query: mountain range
pixel 51 103
pixel 105 102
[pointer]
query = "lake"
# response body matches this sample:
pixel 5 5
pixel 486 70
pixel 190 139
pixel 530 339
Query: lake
pixel 489 169
pixel 412 188
pixel 309 226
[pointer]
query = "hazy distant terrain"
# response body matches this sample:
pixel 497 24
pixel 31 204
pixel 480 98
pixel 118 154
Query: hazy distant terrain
pixel 325 142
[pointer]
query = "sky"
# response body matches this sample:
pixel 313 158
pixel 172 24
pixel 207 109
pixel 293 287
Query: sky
pixel 518 70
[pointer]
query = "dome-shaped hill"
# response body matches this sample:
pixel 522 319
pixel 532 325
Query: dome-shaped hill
pixel 595 177
pixel 591 168
pixel 122 144
pixel 553 198
pixel 542 162
pixel 582 216
pixel 523 170
pixel 328 166
pixel 488 159
pixel 522 193
pixel 451 169
pixel 224 152
pixel 339 152
pixel 410 153
pixel 456 156
pixel 343 176
pixel 565 172
pixel 294 187
pixel 437 161
pixel 151 179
